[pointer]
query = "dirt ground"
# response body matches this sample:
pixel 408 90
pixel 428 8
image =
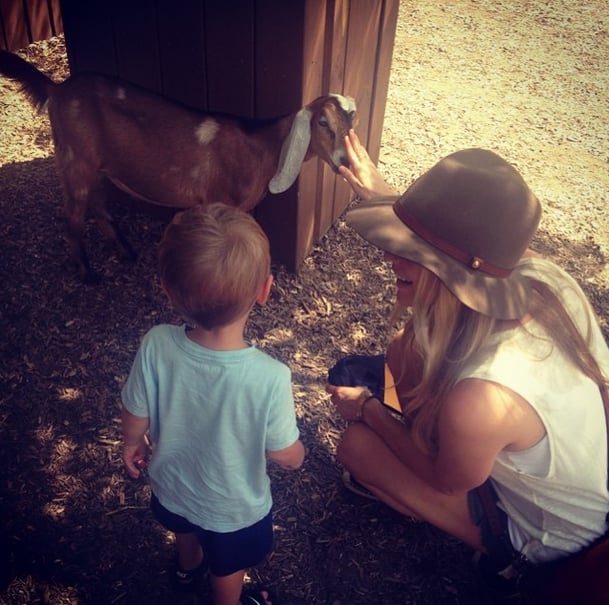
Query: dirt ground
pixel 528 79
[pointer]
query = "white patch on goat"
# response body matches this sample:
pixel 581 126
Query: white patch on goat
pixel 206 131
pixel 347 104
pixel 121 94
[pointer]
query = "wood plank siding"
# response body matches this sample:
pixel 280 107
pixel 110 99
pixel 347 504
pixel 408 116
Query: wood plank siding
pixel 25 21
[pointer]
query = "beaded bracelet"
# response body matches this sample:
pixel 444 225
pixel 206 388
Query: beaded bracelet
pixel 365 397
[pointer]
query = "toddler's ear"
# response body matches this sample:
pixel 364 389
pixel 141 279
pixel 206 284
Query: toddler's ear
pixel 265 290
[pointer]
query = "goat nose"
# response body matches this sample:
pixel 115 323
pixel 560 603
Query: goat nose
pixel 343 160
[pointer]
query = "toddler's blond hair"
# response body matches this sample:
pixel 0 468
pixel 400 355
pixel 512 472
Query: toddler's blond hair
pixel 213 261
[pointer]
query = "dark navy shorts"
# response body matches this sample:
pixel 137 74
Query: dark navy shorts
pixel 227 552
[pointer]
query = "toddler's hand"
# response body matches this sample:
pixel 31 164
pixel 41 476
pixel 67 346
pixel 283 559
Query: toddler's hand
pixel 134 458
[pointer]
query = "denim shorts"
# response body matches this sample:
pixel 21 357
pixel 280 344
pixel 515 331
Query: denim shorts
pixel 497 543
pixel 227 552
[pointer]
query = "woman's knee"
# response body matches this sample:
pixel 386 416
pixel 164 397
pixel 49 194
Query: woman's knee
pixel 352 445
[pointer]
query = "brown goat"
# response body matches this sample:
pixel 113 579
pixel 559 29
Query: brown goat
pixel 161 152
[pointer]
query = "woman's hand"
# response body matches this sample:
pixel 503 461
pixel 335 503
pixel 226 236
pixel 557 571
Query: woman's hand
pixel 349 401
pixel 363 176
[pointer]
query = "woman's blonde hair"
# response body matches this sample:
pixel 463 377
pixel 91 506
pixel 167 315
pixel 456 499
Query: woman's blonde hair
pixel 444 334
pixel 213 262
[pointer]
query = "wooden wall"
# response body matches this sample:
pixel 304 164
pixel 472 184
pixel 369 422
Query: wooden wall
pixel 25 21
pixel 253 58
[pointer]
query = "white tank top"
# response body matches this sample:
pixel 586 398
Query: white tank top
pixel 555 494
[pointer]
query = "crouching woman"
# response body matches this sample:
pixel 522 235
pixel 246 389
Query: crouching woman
pixel 499 369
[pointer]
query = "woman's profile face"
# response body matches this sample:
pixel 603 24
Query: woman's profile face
pixel 408 274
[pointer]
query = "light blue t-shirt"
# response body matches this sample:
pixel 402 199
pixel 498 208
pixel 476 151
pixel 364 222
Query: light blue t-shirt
pixel 213 415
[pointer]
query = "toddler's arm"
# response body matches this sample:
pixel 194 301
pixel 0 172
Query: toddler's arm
pixel 135 444
pixel 289 458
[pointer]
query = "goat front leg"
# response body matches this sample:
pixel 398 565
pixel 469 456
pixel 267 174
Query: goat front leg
pixel 75 214
pixel 106 223
pixel 77 205
pixel 80 184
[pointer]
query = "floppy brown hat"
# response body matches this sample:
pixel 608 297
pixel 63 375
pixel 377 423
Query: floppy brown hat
pixel 469 220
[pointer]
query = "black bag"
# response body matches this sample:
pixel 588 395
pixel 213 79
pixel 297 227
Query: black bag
pixel 360 371
pixel 368 371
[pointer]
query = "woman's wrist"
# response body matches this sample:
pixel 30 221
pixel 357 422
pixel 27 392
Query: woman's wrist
pixel 362 400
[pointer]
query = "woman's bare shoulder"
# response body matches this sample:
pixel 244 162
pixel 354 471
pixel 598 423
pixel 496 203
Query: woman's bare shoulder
pixel 476 407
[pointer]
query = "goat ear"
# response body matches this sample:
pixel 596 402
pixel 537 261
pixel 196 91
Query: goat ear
pixel 293 152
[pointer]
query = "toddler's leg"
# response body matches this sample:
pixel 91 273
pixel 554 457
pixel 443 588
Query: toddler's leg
pixel 226 590
pixel 190 553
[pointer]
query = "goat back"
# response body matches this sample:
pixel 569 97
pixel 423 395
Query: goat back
pixel 157 149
